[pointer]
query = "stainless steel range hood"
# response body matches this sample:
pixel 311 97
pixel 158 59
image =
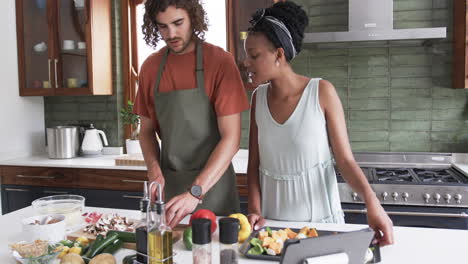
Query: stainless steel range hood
pixel 373 20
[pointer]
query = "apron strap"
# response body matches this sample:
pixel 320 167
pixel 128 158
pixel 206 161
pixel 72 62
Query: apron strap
pixel 160 71
pixel 199 68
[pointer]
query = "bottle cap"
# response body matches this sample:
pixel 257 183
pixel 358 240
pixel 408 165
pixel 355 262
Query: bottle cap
pixel 201 233
pixel 228 230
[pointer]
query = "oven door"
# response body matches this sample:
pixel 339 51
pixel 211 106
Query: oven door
pixel 414 216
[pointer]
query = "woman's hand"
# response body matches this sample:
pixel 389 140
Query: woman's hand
pixel 256 221
pixel 382 225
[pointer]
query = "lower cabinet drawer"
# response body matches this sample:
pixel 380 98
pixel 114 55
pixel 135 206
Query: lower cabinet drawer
pixel 39 176
pixel 112 199
pixel 125 180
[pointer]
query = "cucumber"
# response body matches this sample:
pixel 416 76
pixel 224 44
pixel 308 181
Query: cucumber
pixel 99 246
pixel 111 249
pixel 91 247
pixel 128 237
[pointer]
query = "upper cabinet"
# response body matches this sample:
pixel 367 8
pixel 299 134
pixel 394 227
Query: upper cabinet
pixel 239 15
pixel 460 44
pixel 64 47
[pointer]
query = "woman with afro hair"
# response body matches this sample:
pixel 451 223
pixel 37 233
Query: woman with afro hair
pixel 294 121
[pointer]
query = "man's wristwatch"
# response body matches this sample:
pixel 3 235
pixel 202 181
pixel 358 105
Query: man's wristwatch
pixel 196 191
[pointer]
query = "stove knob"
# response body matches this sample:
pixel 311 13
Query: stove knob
pixel 405 196
pixel 354 195
pixel 426 197
pixel 437 197
pixel 384 195
pixel 457 198
pixel 394 195
pixel 447 197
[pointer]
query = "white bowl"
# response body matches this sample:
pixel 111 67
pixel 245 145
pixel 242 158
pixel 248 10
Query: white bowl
pixel 50 232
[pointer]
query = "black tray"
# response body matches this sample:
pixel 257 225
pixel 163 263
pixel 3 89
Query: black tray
pixel 277 258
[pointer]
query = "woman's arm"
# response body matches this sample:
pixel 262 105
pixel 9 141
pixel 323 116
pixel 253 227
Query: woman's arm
pixel 255 211
pixel 338 136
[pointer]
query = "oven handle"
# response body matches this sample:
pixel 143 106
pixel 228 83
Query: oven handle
pixel 364 211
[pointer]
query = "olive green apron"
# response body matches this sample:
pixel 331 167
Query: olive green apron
pixel 189 134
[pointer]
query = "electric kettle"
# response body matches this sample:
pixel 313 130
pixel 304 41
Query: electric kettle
pixel 92 144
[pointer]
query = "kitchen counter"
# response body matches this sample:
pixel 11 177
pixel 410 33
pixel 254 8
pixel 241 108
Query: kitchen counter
pixel 412 245
pixel 101 162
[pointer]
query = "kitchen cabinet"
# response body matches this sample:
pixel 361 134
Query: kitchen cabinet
pixel 120 189
pixel 460 44
pixel 64 47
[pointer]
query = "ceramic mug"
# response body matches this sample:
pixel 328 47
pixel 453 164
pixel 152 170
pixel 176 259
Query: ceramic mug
pixel 68 44
pixel 37 84
pixel 81 45
pixel 45 84
pixel 40 47
pixel 72 82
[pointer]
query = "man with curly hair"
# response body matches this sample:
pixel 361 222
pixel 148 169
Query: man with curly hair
pixel 191 95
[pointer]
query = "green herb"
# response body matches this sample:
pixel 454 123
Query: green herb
pixel 129 118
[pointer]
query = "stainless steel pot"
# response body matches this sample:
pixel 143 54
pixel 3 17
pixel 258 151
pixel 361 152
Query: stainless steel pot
pixel 63 142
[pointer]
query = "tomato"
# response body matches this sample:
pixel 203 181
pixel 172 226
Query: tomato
pixel 205 213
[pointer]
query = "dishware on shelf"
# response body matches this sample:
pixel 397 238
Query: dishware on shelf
pixel 40 47
pixel 46 84
pixel 45 227
pixel 68 44
pixel 72 83
pixel 81 45
pixel 69 205
pixel 37 84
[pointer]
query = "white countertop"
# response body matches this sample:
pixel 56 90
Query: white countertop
pixel 102 162
pixel 412 245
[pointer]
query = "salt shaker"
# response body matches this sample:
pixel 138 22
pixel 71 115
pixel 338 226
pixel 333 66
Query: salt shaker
pixel 228 234
pixel 201 238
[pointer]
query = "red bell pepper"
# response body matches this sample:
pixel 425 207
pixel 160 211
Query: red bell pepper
pixel 205 213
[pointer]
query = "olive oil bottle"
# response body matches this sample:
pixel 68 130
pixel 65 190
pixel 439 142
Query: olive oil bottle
pixel 159 234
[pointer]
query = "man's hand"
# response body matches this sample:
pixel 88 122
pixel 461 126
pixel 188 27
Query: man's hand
pixel 256 221
pixel 155 175
pixel 180 206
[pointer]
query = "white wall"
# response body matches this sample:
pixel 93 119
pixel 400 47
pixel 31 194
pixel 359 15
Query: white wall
pixel 21 118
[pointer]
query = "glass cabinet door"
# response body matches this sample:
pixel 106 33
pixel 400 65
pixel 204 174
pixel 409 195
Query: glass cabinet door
pixel 36 44
pixel 71 63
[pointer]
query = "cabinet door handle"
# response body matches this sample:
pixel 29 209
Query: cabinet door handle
pixel 15 190
pixel 36 177
pixel 55 67
pixel 55 192
pixel 132 181
pixel 132 197
pixel 48 66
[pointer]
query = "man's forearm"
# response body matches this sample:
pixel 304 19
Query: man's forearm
pixel 150 148
pixel 217 164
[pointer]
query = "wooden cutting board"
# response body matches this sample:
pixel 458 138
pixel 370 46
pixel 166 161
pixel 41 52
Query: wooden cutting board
pixel 176 236
pixel 130 160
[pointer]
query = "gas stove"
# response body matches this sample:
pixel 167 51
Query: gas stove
pixel 415 179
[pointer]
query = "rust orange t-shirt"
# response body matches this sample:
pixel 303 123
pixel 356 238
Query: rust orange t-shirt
pixel 223 83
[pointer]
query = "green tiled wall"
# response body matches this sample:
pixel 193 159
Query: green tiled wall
pixel 397 95
pixel 101 111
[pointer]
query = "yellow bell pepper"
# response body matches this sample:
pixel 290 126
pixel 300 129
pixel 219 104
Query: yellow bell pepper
pixel 82 240
pixel 76 250
pixel 245 229
pixel 64 250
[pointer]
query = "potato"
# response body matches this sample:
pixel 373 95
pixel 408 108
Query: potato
pixel 103 258
pixel 72 258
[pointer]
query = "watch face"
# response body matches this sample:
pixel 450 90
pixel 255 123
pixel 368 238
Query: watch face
pixel 196 190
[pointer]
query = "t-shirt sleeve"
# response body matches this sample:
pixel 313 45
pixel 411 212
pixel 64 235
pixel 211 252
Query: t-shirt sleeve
pixel 230 96
pixel 140 106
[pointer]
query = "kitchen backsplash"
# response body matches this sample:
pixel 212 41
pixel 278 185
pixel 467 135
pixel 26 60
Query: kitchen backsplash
pixel 397 95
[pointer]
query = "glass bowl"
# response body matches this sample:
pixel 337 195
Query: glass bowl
pixel 47 258
pixel 69 205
